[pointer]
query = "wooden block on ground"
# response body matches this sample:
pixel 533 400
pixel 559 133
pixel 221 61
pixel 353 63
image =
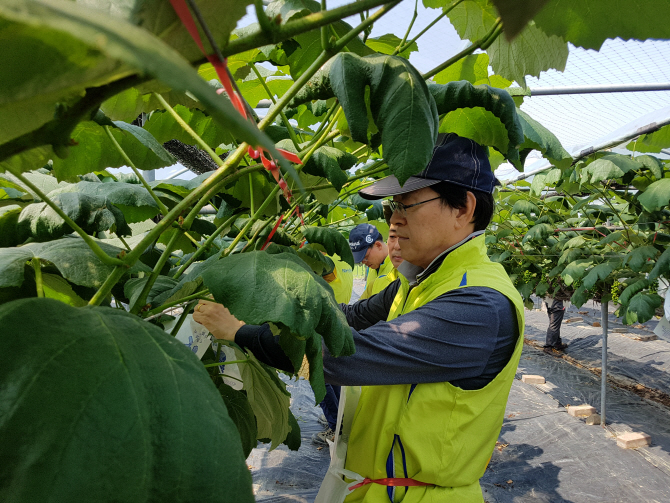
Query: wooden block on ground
pixel 640 337
pixel 530 379
pixel 620 330
pixel 581 410
pixel 572 320
pixel 596 324
pixel 593 419
pixel 633 440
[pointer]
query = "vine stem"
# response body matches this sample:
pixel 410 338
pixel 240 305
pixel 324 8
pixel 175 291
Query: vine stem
pixel 142 299
pixel 37 267
pixel 255 236
pixel 182 318
pixel 205 245
pixel 409 28
pixel 87 239
pixel 107 286
pixel 202 294
pixel 251 221
pixel 163 209
pixel 482 43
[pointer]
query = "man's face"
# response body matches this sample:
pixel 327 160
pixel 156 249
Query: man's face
pixel 394 248
pixel 428 229
pixel 375 255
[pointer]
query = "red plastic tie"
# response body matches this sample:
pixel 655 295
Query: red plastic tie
pixel 391 482
pixel 272 233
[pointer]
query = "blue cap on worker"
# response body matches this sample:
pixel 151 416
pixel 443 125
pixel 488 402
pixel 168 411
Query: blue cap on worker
pixel 455 159
pixel 362 237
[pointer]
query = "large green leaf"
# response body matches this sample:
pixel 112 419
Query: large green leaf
pixel 641 308
pixel 133 288
pixel 387 44
pixel 268 399
pixel 333 242
pixel 530 53
pixel 540 138
pixel 95 151
pixel 600 273
pixel 651 142
pixel 472 68
pixel 656 196
pixel 539 232
pixel 542 180
pixel 603 19
pixel 159 18
pixel 54 21
pixel 575 270
pixel 607 167
pixel 71 256
pixel 399 104
pixel 462 94
pixel 9 233
pixel 133 200
pixel 117 411
pixel 639 257
pixel 55 287
pixel 242 414
pixel 515 14
pixel 92 213
pixel 258 287
pixel 662 266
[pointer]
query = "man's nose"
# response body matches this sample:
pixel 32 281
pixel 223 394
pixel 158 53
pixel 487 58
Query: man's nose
pixel 397 218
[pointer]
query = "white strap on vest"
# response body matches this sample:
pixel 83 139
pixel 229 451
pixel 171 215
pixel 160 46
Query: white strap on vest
pixel 334 488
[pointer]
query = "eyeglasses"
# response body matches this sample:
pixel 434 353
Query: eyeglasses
pixel 367 255
pixel 402 208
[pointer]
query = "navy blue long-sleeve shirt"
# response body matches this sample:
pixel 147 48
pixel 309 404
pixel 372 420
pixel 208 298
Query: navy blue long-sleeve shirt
pixel 464 337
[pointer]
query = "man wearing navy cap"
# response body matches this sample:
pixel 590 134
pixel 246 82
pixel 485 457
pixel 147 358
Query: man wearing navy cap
pixel 368 248
pixel 436 351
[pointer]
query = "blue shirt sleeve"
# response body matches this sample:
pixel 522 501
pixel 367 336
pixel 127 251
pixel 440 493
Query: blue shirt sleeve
pixel 465 337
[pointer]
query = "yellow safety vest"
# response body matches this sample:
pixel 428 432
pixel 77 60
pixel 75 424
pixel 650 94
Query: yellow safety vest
pixel 379 279
pixel 343 283
pixel 434 432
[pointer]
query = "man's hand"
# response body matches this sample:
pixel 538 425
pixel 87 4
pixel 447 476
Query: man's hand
pixel 217 319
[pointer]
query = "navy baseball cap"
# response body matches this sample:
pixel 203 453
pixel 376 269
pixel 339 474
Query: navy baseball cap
pixel 362 237
pixel 456 160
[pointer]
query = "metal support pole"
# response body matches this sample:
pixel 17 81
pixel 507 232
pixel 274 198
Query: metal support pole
pixel 603 389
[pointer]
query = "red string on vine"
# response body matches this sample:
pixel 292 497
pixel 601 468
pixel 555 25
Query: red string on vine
pixel 221 68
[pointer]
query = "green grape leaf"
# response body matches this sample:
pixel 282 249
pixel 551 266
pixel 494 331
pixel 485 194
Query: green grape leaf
pixel 575 270
pixel 538 232
pixel 651 142
pixel 327 162
pixel 316 260
pixel 639 257
pixel 71 256
pixel 133 288
pixel 607 167
pixel 600 273
pixel 662 266
pixel 165 128
pixel 242 414
pixel 472 68
pixel 525 207
pixel 60 23
pixel 9 232
pixel 293 440
pixel 387 44
pixel 462 94
pixel 332 241
pixel 92 213
pixel 540 138
pixel 642 307
pixel 147 139
pixel 633 289
pixel 653 164
pixel 55 287
pixel 133 200
pixel 268 399
pixel 656 196
pixel 590 27
pixel 160 412
pixel 516 14
pixel 399 104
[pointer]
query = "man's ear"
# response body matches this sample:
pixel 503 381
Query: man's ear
pixel 466 214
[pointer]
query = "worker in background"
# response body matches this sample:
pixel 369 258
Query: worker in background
pixel 392 244
pixel 368 247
